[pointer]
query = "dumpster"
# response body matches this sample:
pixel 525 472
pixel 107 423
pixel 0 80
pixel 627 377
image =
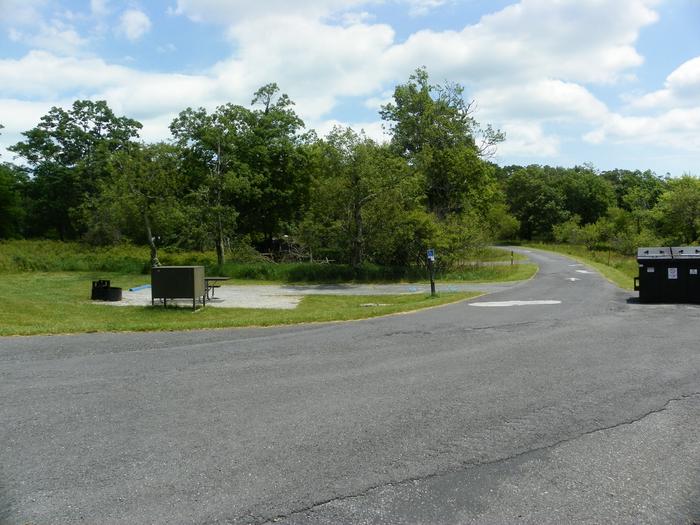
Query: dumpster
pixel 668 274
pixel 688 260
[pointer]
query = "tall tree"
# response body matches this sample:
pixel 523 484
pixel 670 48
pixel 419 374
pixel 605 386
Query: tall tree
pixel 13 180
pixel 11 209
pixel 365 205
pixel 68 153
pixel 434 129
pixel 213 143
pixel 536 202
pixel 586 193
pixel 144 189
pixel 678 210
pixel 276 156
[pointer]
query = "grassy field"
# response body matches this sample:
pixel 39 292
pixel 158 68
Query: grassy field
pixel 58 302
pixel 619 269
pixel 54 256
pixel 45 286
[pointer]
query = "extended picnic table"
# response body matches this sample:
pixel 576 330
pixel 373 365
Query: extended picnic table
pixel 211 283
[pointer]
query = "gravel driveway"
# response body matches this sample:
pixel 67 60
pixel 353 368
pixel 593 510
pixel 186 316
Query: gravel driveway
pixel 289 296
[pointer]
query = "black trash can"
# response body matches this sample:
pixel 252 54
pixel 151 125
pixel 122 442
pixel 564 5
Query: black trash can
pixel 668 274
pixel 688 261
pixel 102 291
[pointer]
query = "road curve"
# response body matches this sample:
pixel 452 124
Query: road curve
pixel 561 401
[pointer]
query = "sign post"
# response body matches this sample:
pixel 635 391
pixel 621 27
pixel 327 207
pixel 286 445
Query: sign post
pixel 431 271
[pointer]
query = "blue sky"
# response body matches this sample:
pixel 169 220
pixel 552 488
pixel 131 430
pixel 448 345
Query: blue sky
pixel 613 83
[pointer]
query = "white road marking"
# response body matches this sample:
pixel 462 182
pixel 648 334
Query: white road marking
pixel 583 271
pixel 573 279
pixel 514 303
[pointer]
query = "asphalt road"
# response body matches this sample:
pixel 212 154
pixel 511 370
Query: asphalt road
pixel 584 409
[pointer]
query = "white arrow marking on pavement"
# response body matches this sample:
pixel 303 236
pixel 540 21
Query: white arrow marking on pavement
pixel 573 279
pixel 515 303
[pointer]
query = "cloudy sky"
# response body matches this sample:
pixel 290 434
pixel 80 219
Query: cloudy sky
pixel 612 82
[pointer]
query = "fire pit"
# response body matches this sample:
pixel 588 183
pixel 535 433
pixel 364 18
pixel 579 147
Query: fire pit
pixel 102 291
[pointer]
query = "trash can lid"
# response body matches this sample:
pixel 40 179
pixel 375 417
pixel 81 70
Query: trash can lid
pixel 686 252
pixel 655 252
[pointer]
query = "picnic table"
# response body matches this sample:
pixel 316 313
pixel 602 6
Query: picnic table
pixel 211 283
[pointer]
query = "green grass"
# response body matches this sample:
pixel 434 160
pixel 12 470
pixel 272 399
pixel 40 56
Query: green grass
pixel 619 269
pixel 484 274
pixel 493 254
pixel 58 302
pixel 55 256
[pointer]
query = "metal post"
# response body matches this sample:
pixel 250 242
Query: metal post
pixel 431 269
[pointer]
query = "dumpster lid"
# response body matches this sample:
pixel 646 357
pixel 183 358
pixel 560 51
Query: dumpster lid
pixel 655 252
pixel 686 252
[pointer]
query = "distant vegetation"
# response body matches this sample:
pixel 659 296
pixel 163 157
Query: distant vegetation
pixel 237 187
pixel 19 256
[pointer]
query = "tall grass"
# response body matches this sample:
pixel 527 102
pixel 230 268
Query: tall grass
pixel 54 256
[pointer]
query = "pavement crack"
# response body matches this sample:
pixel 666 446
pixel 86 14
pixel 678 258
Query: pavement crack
pixel 464 465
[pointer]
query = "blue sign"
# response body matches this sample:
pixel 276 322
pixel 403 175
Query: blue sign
pixel 431 255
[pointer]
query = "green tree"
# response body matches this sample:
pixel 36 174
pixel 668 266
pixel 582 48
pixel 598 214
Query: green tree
pixel 212 144
pixel 141 197
pixel 645 185
pixel 365 205
pixel 586 194
pixel 13 181
pixel 636 192
pixel 536 202
pixel 678 210
pixel 433 128
pixel 275 152
pixel 68 153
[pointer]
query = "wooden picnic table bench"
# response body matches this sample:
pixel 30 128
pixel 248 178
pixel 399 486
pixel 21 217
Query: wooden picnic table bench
pixel 211 284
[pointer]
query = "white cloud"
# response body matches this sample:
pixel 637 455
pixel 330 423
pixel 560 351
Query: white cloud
pixel 44 75
pixel 681 89
pixel 133 24
pixel 55 36
pixel 422 7
pixel 237 11
pixel 99 8
pixel 552 100
pixel 676 128
pixel 20 12
pixel 527 139
pixel 18 116
pixel 529 66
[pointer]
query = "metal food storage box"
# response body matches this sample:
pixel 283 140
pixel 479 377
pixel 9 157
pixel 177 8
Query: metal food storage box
pixel 178 282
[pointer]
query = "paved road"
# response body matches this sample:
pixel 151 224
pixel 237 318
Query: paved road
pixel 585 410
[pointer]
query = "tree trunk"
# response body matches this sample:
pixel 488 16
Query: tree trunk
pixel 151 240
pixel 358 240
pixel 220 252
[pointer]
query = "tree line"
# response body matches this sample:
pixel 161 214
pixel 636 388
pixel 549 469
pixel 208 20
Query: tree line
pixel 255 176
